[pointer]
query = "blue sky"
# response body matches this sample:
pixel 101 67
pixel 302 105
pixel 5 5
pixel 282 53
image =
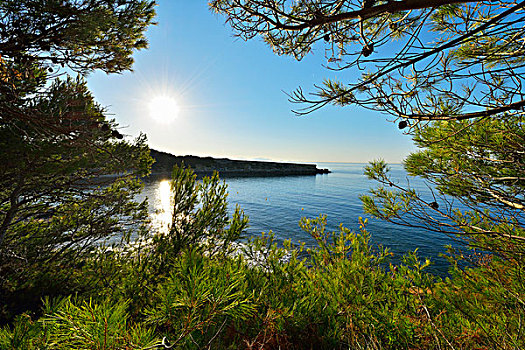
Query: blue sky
pixel 231 97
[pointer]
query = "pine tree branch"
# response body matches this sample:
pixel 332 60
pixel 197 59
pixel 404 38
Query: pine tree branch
pixel 299 97
pixel 486 113
pixel 365 13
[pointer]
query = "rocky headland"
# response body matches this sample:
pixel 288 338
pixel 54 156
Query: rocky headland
pixel 202 166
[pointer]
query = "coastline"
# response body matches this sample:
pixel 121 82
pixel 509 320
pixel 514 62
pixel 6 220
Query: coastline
pixel 204 166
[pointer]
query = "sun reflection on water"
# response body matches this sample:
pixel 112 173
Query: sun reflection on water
pixel 161 218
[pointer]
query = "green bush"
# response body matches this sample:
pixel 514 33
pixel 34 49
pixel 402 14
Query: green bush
pixel 200 297
pixel 73 324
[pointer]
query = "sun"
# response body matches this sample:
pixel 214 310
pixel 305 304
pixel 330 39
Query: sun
pixel 163 109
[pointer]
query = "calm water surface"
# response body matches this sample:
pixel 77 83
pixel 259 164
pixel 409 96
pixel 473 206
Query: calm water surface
pixel 278 203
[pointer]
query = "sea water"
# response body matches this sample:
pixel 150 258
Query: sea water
pixel 278 203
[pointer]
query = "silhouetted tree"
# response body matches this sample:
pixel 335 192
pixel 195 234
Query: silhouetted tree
pixel 67 176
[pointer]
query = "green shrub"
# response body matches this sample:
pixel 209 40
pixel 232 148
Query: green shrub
pixel 339 295
pixel 200 297
pixel 72 324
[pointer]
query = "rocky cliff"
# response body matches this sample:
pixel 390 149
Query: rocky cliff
pixel 164 163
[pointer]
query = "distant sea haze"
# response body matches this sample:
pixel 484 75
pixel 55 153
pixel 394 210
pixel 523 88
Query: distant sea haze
pixel 278 203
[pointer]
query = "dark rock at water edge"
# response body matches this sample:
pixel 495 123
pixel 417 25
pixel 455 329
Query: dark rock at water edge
pixel 164 163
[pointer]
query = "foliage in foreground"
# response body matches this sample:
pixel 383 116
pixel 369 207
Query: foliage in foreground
pixel 342 293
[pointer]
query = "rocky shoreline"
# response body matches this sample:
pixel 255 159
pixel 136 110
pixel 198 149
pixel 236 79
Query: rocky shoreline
pixel 202 166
